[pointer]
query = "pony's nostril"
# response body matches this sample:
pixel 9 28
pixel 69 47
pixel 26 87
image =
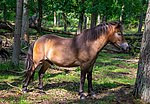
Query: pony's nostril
pixel 128 48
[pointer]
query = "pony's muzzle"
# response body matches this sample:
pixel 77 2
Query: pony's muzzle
pixel 125 47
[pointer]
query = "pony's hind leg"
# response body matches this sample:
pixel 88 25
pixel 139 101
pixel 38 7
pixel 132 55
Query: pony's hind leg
pixel 29 75
pixel 42 71
pixel 32 77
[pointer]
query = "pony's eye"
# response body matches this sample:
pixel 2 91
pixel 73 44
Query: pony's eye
pixel 119 33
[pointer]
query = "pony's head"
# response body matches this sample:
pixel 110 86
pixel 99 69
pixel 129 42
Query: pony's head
pixel 116 36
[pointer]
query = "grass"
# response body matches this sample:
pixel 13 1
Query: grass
pixel 110 76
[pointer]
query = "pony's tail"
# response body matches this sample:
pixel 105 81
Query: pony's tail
pixel 29 58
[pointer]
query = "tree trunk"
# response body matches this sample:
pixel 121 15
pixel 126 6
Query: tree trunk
pixel 142 85
pixel 58 20
pixel 16 45
pixel 93 20
pixel 140 23
pixel 79 30
pixel 104 19
pixel 25 24
pixel 99 19
pixel 84 22
pixel 88 22
pixel 121 14
pixel 81 17
pixel 40 15
pixel 65 21
pixel 55 20
pixel 93 16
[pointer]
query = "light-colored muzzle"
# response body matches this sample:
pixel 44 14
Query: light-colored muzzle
pixel 125 47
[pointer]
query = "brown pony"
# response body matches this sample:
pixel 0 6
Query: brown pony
pixel 82 50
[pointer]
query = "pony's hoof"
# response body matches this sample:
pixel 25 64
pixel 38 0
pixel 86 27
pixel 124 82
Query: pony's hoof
pixel 41 91
pixel 92 95
pixel 82 97
pixel 24 90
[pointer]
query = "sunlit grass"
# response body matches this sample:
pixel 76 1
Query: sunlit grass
pixel 65 77
pixel 8 78
pixel 117 70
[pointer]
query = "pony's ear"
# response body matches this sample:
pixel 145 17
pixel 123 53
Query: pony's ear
pixel 119 25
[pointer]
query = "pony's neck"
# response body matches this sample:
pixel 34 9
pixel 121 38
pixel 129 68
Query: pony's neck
pixel 96 44
pixel 100 43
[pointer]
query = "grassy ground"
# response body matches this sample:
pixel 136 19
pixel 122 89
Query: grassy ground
pixel 113 80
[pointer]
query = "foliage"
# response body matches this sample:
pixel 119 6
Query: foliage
pixel 112 9
pixel 10 6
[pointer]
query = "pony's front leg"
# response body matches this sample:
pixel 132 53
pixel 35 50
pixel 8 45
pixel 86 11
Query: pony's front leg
pixel 82 80
pixel 90 87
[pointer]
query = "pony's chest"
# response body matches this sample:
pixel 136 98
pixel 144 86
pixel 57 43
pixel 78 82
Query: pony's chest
pixel 86 55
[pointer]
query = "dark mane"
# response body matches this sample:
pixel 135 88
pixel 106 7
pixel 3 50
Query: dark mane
pixel 94 33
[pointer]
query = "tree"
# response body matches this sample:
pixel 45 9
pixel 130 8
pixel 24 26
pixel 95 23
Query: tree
pixel 65 21
pixel 93 15
pixel 7 8
pixel 84 22
pixel 142 84
pixel 55 19
pixel 40 15
pixel 141 16
pixel 140 22
pixel 5 11
pixel 81 18
pixel 17 34
pixel 25 24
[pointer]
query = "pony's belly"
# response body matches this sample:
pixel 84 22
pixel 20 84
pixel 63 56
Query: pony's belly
pixel 63 58
pixel 66 63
